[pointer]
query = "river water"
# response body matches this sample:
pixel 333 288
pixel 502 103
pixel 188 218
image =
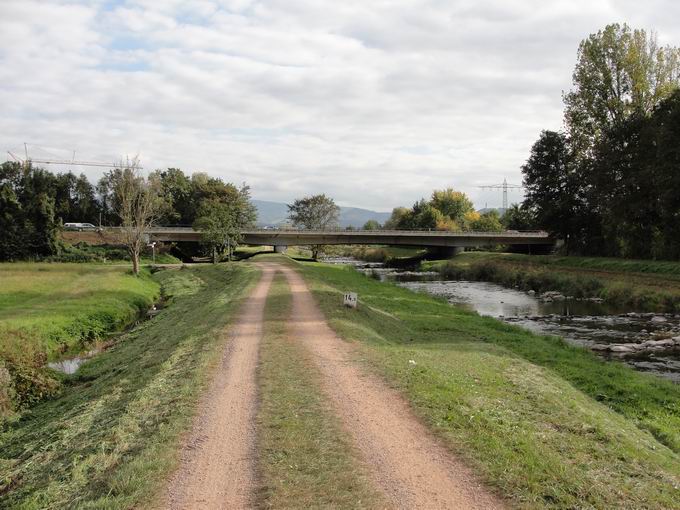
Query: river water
pixel 641 340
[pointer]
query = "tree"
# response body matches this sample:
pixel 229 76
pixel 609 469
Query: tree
pixel 552 186
pixel 619 72
pixel 222 220
pixel 371 225
pixel 518 217
pixel 177 190
pixel 137 204
pixel 317 212
pixel 453 204
pixel 400 217
pixel 27 212
pixel 487 222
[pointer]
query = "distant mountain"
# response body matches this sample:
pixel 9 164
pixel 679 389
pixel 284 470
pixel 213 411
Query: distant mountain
pixel 276 213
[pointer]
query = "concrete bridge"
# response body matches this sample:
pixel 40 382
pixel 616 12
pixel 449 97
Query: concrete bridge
pixel 281 239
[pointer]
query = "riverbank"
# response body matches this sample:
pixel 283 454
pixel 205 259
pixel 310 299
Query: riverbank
pixel 111 437
pixel 50 310
pixel 646 286
pixel 550 425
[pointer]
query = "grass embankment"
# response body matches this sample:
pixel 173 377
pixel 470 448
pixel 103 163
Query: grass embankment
pixel 549 424
pixel 111 438
pixel 641 285
pixel 374 253
pixel 304 458
pixel 50 310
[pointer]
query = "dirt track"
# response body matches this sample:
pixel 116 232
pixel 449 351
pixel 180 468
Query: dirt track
pixel 405 461
pixel 217 469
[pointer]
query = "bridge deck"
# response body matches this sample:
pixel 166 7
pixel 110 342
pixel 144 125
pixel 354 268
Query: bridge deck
pixel 274 237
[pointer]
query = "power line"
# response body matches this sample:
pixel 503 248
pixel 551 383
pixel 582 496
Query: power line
pixel 57 161
pixel 505 187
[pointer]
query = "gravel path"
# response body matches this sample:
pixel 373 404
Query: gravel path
pixel 217 468
pixel 406 462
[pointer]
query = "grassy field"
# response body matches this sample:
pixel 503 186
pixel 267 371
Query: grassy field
pixel 550 425
pixel 305 460
pixel 110 439
pixel 50 310
pixel 639 285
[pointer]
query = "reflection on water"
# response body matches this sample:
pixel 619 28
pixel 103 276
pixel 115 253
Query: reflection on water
pixel 581 322
pixel 70 366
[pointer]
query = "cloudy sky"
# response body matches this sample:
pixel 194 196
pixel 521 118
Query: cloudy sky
pixel 375 103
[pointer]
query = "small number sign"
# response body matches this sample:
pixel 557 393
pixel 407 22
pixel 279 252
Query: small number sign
pixel 350 299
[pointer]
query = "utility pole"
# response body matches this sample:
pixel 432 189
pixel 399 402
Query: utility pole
pixel 505 187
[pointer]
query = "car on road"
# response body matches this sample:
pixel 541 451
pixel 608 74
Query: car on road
pixel 81 227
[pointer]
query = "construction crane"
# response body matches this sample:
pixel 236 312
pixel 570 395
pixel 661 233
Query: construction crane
pixel 27 160
pixel 505 187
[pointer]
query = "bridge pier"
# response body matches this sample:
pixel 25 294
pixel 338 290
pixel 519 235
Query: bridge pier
pixel 280 248
pixel 446 252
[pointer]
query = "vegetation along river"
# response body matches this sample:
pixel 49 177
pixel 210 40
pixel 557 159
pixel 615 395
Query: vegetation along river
pixel 649 342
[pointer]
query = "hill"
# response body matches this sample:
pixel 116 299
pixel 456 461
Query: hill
pixel 275 213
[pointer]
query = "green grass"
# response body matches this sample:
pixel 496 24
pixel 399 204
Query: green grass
pixel 111 438
pixel 304 458
pixel 550 425
pixel 59 306
pixel 618 265
pixel 51 310
pixel 636 285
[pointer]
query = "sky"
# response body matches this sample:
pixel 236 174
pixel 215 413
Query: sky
pixel 375 103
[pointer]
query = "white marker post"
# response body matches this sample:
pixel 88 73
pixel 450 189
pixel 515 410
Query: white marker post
pixel 350 299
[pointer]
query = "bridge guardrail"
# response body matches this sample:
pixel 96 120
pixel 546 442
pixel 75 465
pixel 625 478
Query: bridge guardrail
pixel 443 233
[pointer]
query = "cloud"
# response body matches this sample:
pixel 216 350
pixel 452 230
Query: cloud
pixel 375 103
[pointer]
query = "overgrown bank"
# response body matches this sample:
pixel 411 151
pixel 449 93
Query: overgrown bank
pixel 111 437
pixel 641 285
pixel 51 310
pixel 549 424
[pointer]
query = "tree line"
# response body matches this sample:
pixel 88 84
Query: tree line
pixel 35 203
pixel 445 210
pixel 608 182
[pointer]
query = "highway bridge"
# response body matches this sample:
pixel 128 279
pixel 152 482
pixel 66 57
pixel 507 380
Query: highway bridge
pixel 426 238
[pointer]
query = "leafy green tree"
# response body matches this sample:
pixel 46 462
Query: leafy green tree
pixel 518 217
pixel 553 187
pixel 371 225
pixel 27 219
pixel 223 218
pixel 487 222
pixel 177 190
pixel 454 204
pixel 619 72
pixel 400 219
pixel 316 212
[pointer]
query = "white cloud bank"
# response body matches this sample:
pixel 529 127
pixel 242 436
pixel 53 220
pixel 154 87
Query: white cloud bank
pixel 375 103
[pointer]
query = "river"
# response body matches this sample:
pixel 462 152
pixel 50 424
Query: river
pixel 641 340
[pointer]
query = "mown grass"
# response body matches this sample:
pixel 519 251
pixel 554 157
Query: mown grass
pixel 304 458
pixel 50 310
pixel 111 438
pixel 638 285
pixel 551 425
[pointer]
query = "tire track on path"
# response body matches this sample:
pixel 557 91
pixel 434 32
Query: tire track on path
pixel 218 460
